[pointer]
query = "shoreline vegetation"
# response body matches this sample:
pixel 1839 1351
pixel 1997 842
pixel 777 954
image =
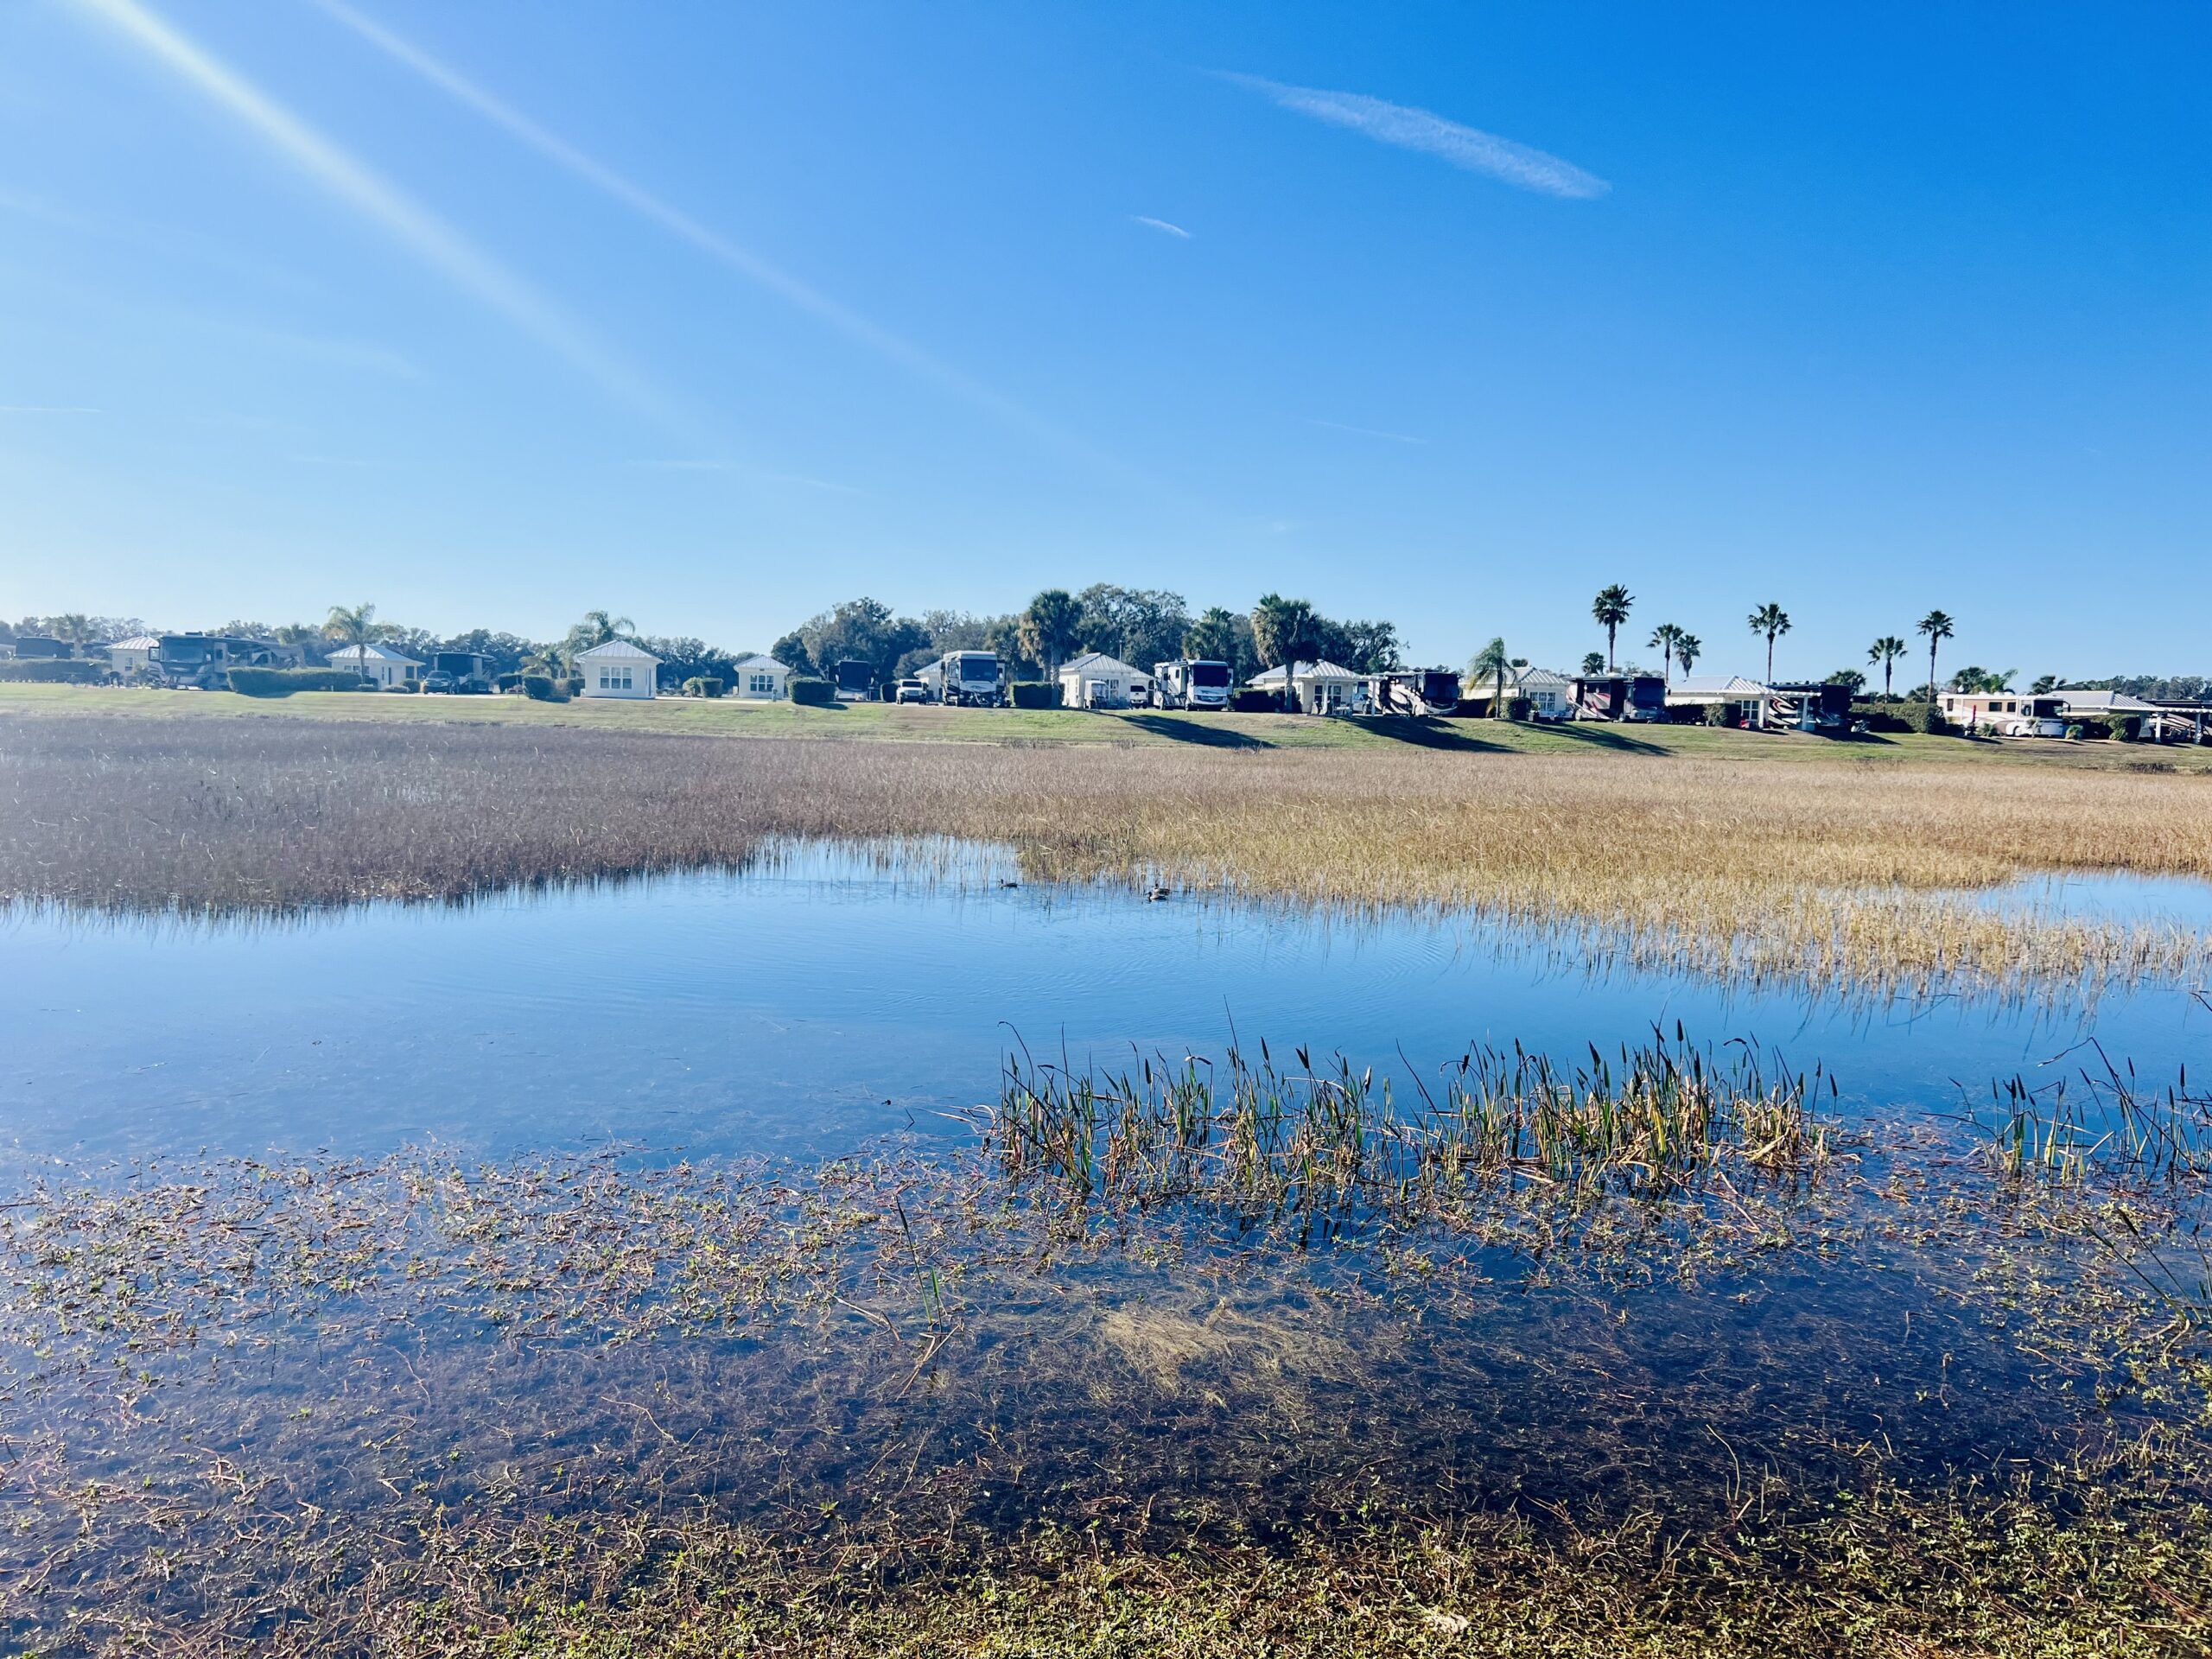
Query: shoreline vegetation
pixel 1826 872
pixel 1650 1359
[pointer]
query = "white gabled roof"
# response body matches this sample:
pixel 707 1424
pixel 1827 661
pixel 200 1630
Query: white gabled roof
pixel 755 661
pixel 135 642
pixel 1304 671
pixel 1097 662
pixel 2111 702
pixel 1717 685
pixel 617 651
pixel 373 654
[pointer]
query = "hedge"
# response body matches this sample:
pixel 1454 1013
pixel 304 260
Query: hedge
pixel 1520 709
pixel 283 682
pixel 813 693
pixel 1249 701
pixel 1035 694
pixel 540 688
pixel 53 671
pixel 703 685
pixel 1901 716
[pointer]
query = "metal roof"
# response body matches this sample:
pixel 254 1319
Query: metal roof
pixel 1304 671
pixel 371 654
pixel 1093 661
pixel 618 650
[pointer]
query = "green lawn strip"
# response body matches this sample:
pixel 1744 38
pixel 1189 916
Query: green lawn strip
pixel 886 722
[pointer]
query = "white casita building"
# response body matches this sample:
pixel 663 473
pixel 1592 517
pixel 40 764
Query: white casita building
pixel 379 665
pixel 761 678
pixel 618 669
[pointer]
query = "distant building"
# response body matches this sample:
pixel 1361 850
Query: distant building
pixel 759 678
pixel 133 658
pixel 1095 680
pixel 1737 698
pixel 619 669
pixel 1317 688
pixel 380 664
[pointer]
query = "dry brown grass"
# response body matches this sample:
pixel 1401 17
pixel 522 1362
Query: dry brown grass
pixel 1831 872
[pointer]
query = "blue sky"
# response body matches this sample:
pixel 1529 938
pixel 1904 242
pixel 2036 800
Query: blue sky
pixel 713 314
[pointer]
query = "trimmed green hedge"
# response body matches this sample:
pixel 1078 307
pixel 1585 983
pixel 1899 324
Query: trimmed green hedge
pixel 53 671
pixel 1901 716
pixel 541 688
pixel 1520 709
pixel 813 693
pixel 703 685
pixel 283 682
pixel 1249 701
pixel 1035 694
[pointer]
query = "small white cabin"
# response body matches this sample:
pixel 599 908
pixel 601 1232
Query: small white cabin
pixel 1094 680
pixel 618 669
pixel 762 679
pixel 134 655
pixel 1319 687
pixel 379 665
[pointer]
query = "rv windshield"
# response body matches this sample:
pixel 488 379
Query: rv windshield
pixel 1209 673
pixel 980 669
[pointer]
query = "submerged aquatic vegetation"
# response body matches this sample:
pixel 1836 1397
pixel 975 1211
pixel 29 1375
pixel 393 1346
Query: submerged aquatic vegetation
pixel 1642 1352
pixel 1835 873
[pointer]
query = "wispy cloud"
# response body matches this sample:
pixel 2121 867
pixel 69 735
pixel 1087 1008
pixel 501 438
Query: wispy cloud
pixel 1433 135
pixel 1366 432
pixel 359 188
pixel 677 223
pixel 1160 224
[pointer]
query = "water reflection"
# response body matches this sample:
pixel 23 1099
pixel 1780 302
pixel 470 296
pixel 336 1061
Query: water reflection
pixel 826 995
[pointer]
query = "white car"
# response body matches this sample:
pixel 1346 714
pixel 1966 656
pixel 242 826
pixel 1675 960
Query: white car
pixel 911 691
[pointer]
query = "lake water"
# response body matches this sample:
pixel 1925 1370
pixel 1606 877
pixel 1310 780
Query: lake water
pixel 828 997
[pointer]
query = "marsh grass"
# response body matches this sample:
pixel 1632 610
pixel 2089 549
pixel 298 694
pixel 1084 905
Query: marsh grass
pixel 1645 1340
pixel 1840 875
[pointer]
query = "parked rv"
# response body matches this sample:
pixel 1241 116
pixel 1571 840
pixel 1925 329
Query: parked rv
pixel 1420 691
pixel 1191 682
pixel 1620 696
pixel 969 679
pixel 856 680
pixel 459 671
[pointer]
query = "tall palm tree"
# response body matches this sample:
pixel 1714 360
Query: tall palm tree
pixel 1938 625
pixel 1885 651
pixel 74 629
pixel 1048 627
pixel 355 626
pixel 1493 661
pixel 1666 637
pixel 1285 631
pixel 1771 620
pixel 1688 649
pixel 1610 609
pixel 592 629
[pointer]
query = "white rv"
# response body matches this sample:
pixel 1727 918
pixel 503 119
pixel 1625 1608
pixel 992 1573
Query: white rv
pixel 1191 682
pixel 972 679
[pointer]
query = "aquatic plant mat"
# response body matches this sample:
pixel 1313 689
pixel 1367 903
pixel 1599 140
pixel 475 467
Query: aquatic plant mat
pixel 1267 1358
pixel 1845 874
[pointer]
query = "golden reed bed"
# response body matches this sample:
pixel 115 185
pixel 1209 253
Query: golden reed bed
pixel 1838 873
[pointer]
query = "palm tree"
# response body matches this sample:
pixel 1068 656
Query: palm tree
pixel 74 629
pixel 1285 631
pixel 1885 651
pixel 1492 660
pixel 1688 649
pixel 1937 626
pixel 1611 608
pixel 1771 620
pixel 356 627
pixel 592 629
pixel 1593 664
pixel 1048 627
pixel 1666 637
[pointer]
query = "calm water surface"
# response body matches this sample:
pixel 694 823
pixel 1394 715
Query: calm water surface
pixel 825 998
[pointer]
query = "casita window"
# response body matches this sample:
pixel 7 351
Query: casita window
pixel 614 679
pixel 762 684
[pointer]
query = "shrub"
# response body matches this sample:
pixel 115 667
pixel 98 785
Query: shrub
pixel 812 693
pixel 1519 708
pixel 2127 728
pixel 1719 714
pixel 542 688
pixel 53 671
pixel 703 685
pixel 1901 716
pixel 575 684
pixel 283 682
pixel 1250 701
pixel 1035 694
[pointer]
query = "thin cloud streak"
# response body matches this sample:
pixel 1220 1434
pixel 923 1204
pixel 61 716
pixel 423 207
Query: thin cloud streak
pixel 1366 432
pixel 1160 224
pixel 1432 134
pixel 422 233
pixel 712 243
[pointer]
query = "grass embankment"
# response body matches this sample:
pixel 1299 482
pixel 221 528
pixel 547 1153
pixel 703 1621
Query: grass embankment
pixel 1139 728
pixel 1836 873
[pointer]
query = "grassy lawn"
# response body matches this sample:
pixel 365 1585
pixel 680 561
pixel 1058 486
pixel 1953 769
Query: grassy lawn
pixel 886 722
